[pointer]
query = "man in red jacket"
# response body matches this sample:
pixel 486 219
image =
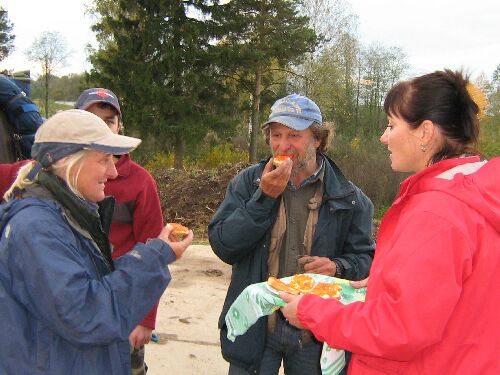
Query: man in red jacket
pixel 137 215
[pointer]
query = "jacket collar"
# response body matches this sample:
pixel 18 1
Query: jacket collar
pixel 123 165
pixel 434 170
pixel 336 183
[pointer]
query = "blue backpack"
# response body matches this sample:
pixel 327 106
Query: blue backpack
pixel 22 117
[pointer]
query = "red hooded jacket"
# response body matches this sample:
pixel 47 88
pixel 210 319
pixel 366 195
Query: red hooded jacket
pixel 137 215
pixel 432 304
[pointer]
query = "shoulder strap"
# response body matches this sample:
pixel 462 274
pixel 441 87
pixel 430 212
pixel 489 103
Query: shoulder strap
pixel 10 148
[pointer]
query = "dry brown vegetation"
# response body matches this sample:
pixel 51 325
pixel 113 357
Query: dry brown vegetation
pixel 192 197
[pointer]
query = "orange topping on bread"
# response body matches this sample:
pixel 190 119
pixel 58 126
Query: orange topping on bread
pixel 305 284
pixel 278 160
pixel 281 286
pixel 179 230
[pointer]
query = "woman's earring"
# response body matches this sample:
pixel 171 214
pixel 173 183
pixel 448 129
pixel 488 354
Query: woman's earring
pixel 422 147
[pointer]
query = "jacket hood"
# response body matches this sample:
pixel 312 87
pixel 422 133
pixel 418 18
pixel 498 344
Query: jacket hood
pixel 475 183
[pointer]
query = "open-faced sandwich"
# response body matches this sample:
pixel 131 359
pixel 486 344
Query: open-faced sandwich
pixel 278 160
pixel 179 230
pixel 305 284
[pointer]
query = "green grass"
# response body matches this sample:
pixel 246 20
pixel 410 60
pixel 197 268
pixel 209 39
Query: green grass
pixel 53 107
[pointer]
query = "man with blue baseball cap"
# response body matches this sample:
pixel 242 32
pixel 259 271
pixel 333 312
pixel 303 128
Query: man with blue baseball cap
pixel 280 219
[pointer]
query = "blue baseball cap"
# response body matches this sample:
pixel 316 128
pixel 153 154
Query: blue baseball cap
pixel 295 111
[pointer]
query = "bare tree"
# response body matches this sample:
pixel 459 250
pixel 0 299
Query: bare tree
pixel 50 49
pixel 331 20
pixel 329 71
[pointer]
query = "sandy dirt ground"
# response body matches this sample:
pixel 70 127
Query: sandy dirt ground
pixel 187 317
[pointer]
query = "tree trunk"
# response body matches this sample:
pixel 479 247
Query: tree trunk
pixel 255 117
pixel 46 93
pixel 358 88
pixel 179 151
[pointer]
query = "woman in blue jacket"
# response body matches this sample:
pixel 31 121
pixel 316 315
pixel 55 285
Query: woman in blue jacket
pixel 65 306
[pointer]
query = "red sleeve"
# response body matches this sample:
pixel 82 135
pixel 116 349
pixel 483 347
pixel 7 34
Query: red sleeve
pixel 150 319
pixel 148 223
pixel 408 303
pixel 8 174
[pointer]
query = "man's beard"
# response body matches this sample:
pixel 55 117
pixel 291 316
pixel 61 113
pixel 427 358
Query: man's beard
pixel 303 162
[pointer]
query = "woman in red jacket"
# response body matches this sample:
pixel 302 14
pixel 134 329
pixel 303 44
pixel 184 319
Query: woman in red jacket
pixel 432 299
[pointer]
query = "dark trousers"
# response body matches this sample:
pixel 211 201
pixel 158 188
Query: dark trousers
pixel 299 353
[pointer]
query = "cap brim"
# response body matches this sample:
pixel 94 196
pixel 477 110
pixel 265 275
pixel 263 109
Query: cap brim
pixel 295 123
pixel 115 144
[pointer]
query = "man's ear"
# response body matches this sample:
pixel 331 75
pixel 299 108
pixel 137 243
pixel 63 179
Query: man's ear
pixel 317 143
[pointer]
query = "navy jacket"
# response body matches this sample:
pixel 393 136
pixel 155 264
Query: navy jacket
pixel 23 115
pixel 62 311
pixel 240 235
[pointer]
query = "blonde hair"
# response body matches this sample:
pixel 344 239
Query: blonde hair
pixel 63 168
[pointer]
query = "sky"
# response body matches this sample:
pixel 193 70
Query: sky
pixel 33 17
pixel 434 34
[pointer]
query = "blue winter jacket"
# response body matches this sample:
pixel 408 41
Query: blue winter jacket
pixel 61 310
pixel 23 115
pixel 240 235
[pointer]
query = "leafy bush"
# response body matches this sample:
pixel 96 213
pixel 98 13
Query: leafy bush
pixel 489 140
pixel 205 157
pixel 225 153
pixel 160 161
pixel 366 163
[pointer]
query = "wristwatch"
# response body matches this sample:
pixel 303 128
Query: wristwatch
pixel 339 268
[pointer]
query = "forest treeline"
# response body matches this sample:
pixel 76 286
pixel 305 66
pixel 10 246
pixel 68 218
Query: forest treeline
pixel 196 79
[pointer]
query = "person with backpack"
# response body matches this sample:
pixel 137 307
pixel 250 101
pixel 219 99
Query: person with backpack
pixel 22 117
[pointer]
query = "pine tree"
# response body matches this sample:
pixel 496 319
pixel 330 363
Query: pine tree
pixel 158 56
pixel 261 37
pixel 6 38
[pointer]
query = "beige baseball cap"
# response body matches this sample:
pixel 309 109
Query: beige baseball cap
pixel 69 131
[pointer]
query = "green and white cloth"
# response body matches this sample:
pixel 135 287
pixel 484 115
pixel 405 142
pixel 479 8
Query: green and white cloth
pixel 258 300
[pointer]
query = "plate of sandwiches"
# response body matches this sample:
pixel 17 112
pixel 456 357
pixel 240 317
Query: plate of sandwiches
pixel 304 284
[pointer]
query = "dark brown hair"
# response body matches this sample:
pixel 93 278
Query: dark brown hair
pixel 442 98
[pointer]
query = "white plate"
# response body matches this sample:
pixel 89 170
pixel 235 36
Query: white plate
pixel 271 289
